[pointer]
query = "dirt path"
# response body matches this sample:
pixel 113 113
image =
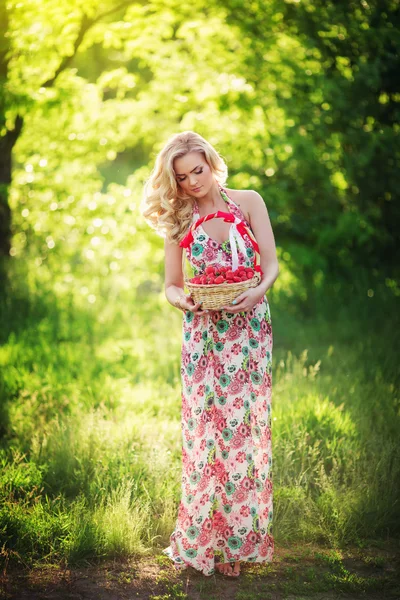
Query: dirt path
pixel 298 572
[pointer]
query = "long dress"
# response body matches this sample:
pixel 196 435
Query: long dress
pixel 225 511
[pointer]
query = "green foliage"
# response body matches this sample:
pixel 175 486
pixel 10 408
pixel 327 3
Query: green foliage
pixel 300 98
pixel 91 451
pixel 332 68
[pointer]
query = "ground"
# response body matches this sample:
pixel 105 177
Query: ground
pixel 296 573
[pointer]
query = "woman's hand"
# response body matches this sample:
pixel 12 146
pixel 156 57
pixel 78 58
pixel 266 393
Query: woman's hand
pixel 246 300
pixel 187 303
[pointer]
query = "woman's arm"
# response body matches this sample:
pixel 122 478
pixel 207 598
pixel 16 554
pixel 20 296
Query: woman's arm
pixel 262 229
pixel 173 273
pixel 174 283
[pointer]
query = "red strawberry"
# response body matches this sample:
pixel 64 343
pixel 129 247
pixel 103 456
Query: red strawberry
pixel 219 279
pixel 250 275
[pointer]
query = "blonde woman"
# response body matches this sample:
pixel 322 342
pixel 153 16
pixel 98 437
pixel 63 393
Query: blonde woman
pixel 225 511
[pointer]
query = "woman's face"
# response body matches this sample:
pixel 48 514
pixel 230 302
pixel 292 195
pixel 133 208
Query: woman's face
pixel 193 174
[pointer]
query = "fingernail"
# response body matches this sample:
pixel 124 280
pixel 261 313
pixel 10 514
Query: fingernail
pixel 233 301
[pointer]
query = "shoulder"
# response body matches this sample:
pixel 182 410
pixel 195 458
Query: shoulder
pixel 247 200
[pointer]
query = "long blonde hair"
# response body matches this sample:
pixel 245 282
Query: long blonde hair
pixel 165 207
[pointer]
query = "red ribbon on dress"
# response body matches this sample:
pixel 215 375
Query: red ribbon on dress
pixel 188 239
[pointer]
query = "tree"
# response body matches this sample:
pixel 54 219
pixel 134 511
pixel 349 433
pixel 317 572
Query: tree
pixel 337 82
pixel 15 100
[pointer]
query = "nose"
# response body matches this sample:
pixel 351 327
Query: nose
pixel 193 181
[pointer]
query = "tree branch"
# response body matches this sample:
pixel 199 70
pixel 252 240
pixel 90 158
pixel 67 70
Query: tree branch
pixel 86 24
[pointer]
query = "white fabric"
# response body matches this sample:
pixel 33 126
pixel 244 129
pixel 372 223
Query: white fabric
pixel 236 238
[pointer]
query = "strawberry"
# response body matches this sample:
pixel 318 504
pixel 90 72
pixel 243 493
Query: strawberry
pixel 250 275
pixel 236 278
pixel 219 279
pixel 209 269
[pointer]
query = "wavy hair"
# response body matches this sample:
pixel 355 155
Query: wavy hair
pixel 165 206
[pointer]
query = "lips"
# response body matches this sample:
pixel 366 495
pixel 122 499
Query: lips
pixel 197 189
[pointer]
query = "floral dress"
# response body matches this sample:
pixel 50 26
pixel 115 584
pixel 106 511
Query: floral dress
pixel 225 511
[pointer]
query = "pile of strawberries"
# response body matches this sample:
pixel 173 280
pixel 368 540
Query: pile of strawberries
pixel 214 275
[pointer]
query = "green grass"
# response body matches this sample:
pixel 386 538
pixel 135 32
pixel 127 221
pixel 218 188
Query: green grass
pixel 90 451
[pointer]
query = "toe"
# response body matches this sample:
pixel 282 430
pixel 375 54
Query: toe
pixel 236 569
pixel 222 568
pixel 226 569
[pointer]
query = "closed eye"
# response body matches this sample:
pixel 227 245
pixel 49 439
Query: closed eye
pixel 197 173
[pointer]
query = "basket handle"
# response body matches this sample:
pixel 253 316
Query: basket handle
pixel 230 218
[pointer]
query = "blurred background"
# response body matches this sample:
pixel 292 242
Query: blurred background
pixel 301 98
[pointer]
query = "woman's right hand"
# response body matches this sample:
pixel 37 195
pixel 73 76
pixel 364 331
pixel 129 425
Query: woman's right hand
pixel 187 303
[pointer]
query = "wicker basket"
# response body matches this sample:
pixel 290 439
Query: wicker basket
pixel 214 297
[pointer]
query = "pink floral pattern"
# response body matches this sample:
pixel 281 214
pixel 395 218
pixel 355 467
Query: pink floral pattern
pixel 225 512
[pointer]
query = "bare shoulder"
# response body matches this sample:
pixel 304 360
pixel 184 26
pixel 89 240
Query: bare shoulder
pixel 247 200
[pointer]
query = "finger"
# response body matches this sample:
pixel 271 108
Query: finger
pixel 240 298
pixel 200 307
pixel 191 305
pixel 197 308
pixel 237 309
pixel 202 310
pixel 234 307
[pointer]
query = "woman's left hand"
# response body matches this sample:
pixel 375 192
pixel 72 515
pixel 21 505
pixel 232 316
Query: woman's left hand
pixel 246 300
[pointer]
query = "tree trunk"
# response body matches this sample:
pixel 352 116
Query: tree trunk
pixel 6 145
pixel 8 137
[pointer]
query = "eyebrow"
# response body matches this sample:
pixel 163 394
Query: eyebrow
pixel 190 171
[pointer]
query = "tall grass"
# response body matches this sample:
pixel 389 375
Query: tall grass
pixel 90 421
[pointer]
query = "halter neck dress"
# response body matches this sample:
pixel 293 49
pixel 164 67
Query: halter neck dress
pixel 225 510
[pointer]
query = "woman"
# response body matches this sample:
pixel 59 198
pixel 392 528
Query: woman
pixel 225 511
